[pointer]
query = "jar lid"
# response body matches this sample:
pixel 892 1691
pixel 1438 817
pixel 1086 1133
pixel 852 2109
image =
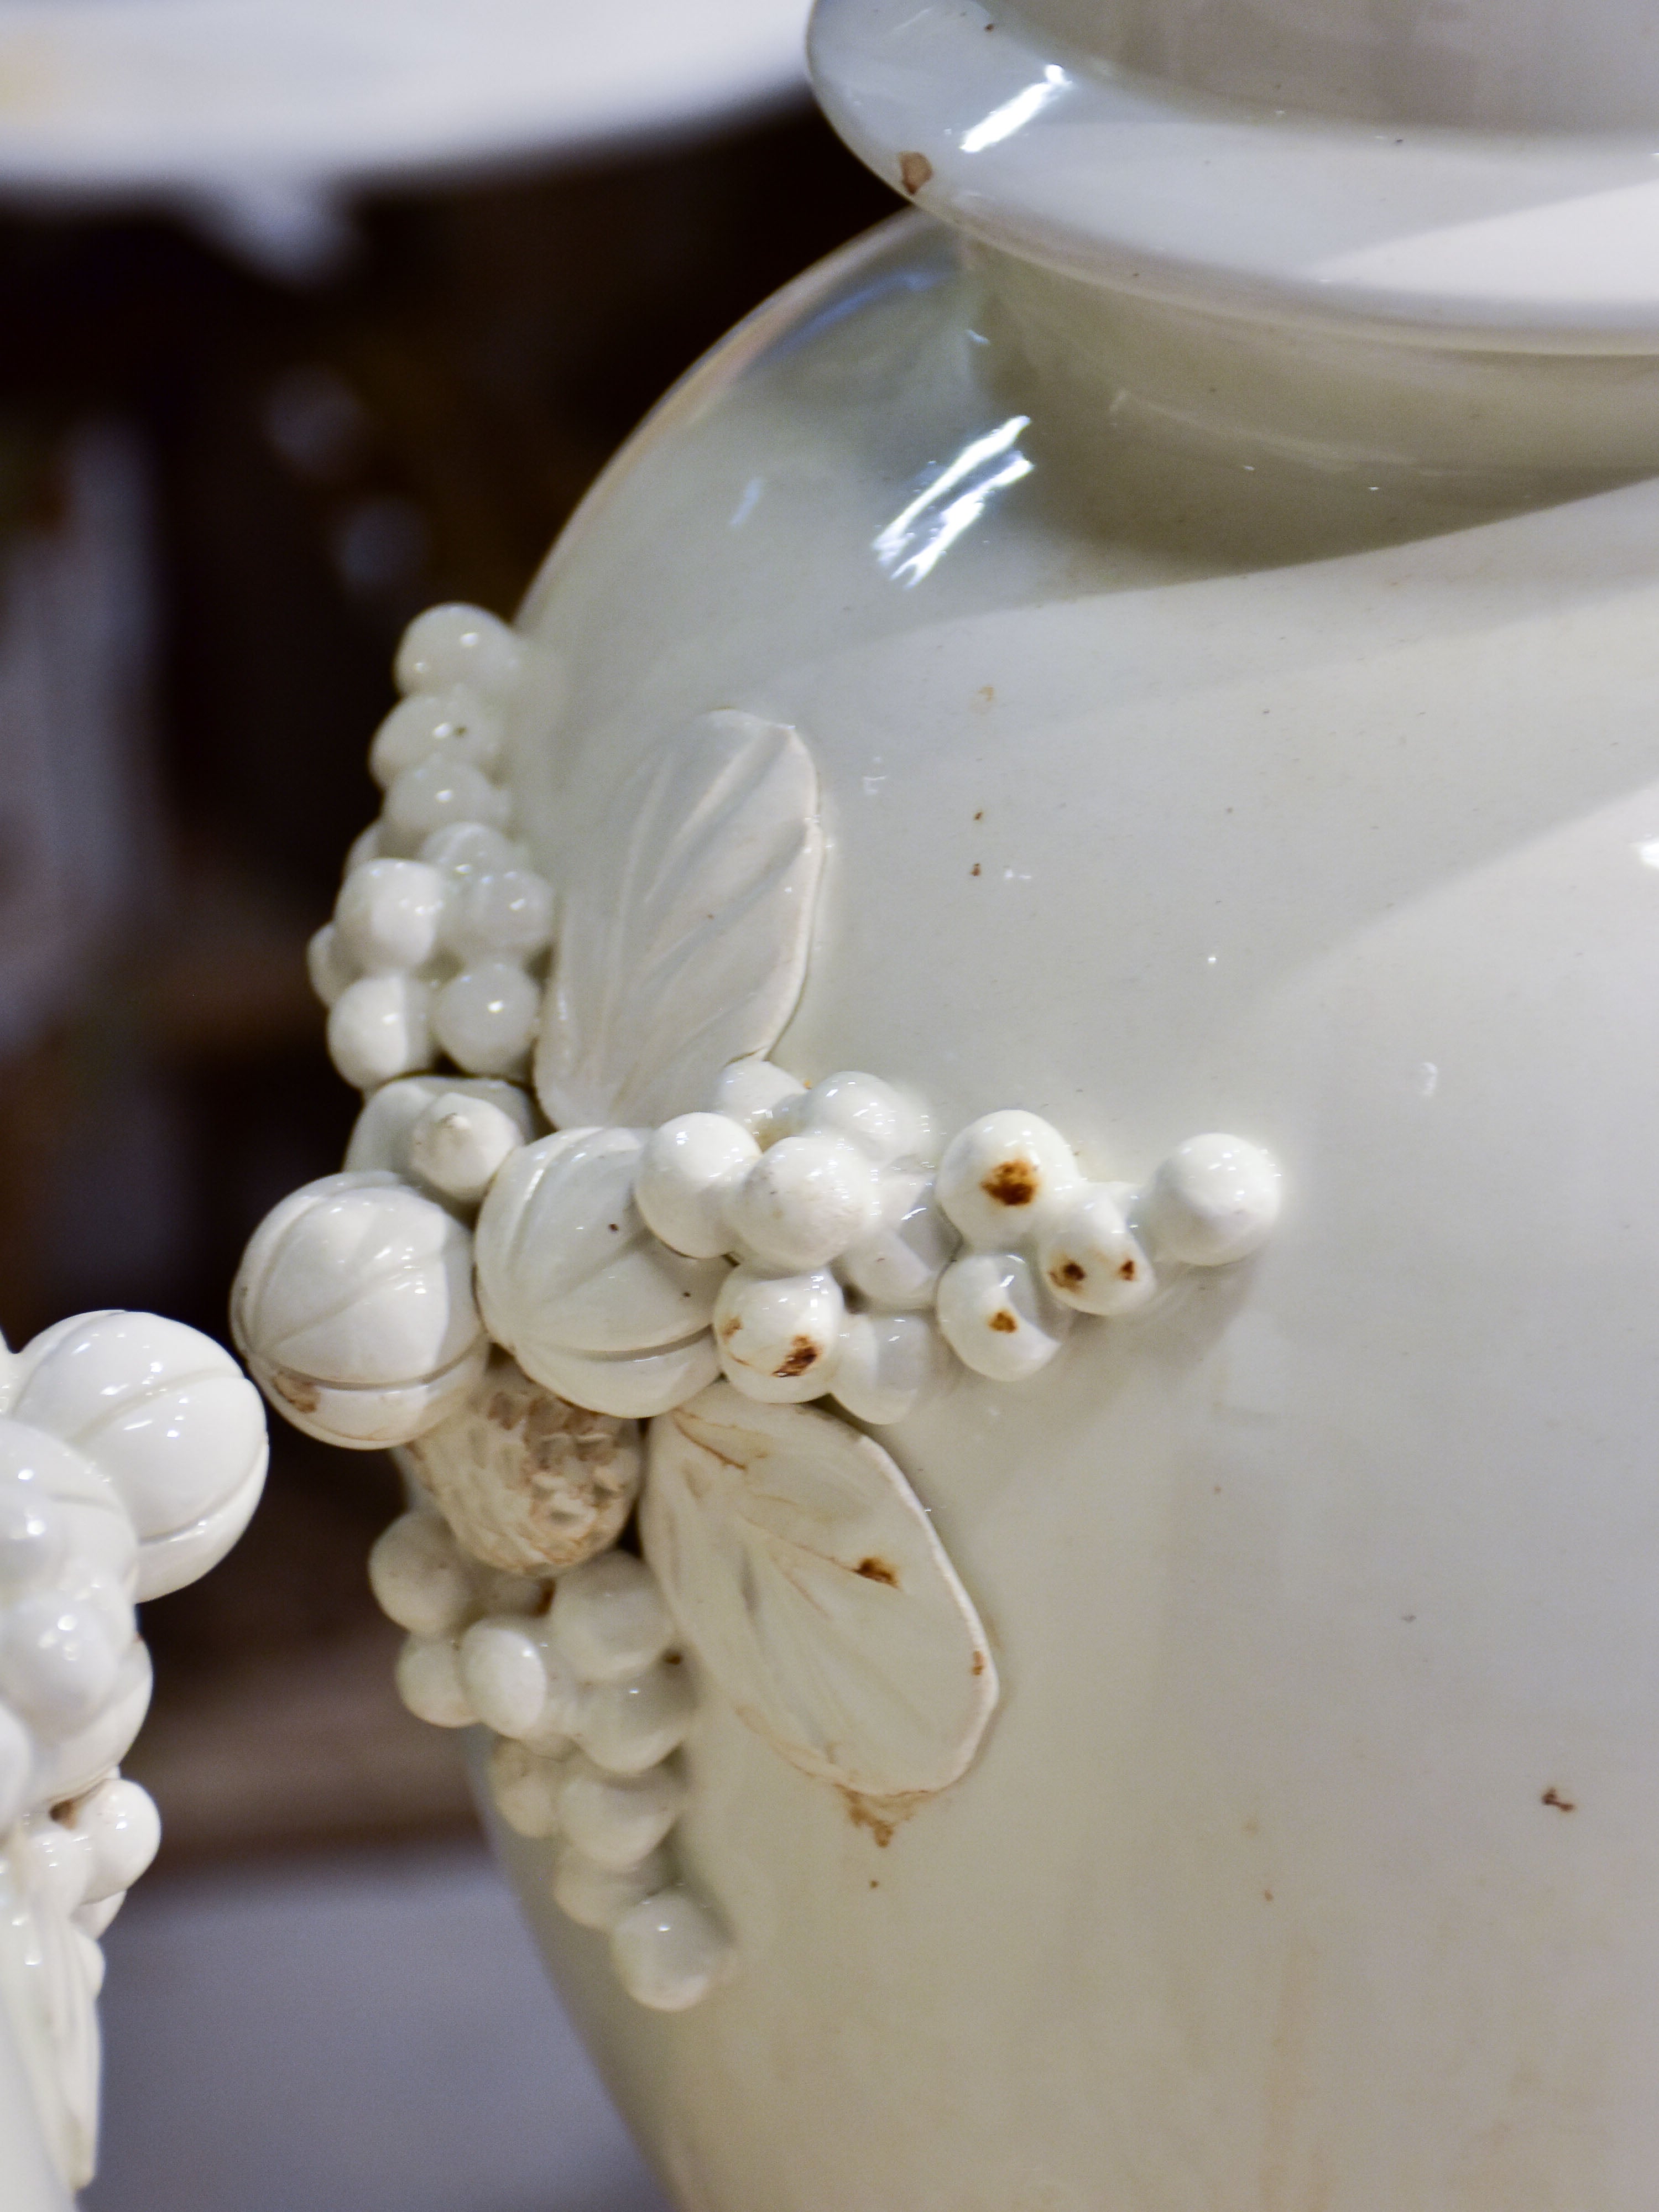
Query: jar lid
pixel 1539 239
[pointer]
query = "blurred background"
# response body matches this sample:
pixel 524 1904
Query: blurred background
pixel 314 315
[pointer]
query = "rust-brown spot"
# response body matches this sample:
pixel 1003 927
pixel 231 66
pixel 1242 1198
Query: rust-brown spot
pixel 974 871
pixel 730 1329
pixel 1068 1274
pixel 980 815
pixel 914 170
pixel 1012 1182
pixel 874 1884
pixel 673 1658
pixel 1267 1897
pixel 1127 1272
pixel 1004 1322
pixel 880 1816
pixel 987 696
pixel 980 1664
pixel 1553 1796
pixel 300 1391
pixel 878 1571
pixel 802 1354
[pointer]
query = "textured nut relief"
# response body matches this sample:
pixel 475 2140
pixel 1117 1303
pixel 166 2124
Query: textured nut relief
pixel 526 1479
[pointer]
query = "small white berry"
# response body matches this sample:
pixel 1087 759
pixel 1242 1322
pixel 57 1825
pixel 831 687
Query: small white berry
pixel 994 1317
pixel 524 1785
pixel 750 1090
pixel 1091 1259
pixel 420 1576
pixel 888 1364
pixel 60 1658
pixel 327 965
pixel 383 1132
pixel 459 1144
pixel 123 1831
pixel 470 849
pixel 899 1263
pixel 1001 1177
pixel 609 1622
pixel 627 1727
pixel 866 1111
pixel 687 1173
pixel 456 644
pixel 429 1682
pixel 381 1027
pixel 1214 1200
pixel 387 915
pixel 804 1202
pixel 500 910
pixel 485 1018
pixel 504 1674
pixel 457 720
pixel 779 1336
pixel 670 1952
pixel 438 793
pixel 619 1819
pixel 33 1534
pixel 597 1897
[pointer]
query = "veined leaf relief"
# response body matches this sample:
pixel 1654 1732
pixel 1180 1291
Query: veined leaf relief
pixel 683 939
pixel 802 1571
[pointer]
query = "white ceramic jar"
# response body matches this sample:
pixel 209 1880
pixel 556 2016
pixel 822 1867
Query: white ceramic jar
pixel 1218 609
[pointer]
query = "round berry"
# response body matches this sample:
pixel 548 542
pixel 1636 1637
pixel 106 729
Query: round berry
pixel 779 1336
pixel 387 915
pixel 751 1091
pixel 670 1952
pixel 419 1576
pixel 864 1110
pixel 1003 1176
pixel 500 910
pixel 1214 1200
pixel 457 723
pixel 59 1659
pixel 381 1027
pixel 485 1018
pixel 434 795
pixel 1091 1260
pixel 994 1317
pixel 686 1174
pixel 458 644
pixel 804 1202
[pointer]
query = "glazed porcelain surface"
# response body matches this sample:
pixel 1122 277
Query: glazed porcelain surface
pixel 1311 1858
pixel 1137 699
pixel 132 1453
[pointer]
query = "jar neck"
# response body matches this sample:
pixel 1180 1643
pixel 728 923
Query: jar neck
pixel 1404 413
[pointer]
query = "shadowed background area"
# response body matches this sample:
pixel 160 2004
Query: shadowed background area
pixel 223 492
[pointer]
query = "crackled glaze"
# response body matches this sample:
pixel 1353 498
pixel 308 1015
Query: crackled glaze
pixel 132 1452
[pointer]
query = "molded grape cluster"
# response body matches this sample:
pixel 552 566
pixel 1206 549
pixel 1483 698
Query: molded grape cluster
pixel 440 923
pixel 590 1701
pixel 132 1452
pixel 795 1239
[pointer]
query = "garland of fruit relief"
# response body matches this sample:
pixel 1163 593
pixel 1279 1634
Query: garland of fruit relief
pixel 630 1302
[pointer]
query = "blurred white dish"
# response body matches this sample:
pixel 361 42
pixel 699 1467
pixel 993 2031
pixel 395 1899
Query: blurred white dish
pixel 259 113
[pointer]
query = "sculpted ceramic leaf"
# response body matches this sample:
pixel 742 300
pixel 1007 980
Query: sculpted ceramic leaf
pixel 804 1573
pixel 684 938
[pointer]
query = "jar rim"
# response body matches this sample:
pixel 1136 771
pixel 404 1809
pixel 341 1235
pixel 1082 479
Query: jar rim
pixel 1540 242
